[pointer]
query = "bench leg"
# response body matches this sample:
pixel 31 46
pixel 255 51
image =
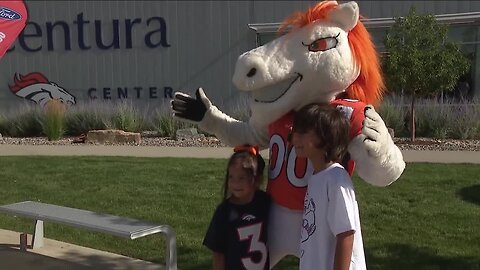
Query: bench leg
pixel 23 242
pixel 37 239
pixel 171 248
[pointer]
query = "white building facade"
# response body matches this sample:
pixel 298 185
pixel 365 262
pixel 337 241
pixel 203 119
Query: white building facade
pixel 144 51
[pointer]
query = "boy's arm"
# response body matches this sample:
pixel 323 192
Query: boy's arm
pixel 218 261
pixel 343 250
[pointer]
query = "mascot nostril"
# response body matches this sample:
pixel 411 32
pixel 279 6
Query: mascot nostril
pixel 252 72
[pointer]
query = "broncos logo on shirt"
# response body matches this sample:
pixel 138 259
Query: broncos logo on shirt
pixel 36 87
pixel 308 224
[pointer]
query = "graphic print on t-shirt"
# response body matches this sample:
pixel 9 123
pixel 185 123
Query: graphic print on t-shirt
pixel 252 233
pixel 308 224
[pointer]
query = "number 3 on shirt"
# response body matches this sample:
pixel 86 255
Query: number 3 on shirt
pixel 252 233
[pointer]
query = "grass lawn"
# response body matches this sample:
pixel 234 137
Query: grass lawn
pixel 429 219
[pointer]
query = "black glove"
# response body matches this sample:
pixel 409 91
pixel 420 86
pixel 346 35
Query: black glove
pixel 184 106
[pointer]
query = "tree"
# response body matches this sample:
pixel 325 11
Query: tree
pixel 420 61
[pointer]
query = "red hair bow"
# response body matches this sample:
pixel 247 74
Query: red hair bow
pixel 246 148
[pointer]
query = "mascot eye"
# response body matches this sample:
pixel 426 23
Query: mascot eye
pixel 322 44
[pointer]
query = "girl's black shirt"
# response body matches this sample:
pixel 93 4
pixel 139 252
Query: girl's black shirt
pixel 240 233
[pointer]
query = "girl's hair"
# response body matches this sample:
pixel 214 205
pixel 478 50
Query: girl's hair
pixel 251 161
pixel 330 126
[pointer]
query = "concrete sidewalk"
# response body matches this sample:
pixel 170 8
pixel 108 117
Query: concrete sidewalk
pixel 202 152
pixel 57 255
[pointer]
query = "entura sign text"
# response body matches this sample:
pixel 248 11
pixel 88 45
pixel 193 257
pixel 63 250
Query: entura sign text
pixel 31 39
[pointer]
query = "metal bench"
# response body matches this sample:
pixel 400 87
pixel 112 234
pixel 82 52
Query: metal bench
pixel 115 225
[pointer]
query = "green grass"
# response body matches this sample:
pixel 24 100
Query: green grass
pixel 429 219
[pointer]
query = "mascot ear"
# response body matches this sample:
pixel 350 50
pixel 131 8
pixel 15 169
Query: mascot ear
pixel 346 15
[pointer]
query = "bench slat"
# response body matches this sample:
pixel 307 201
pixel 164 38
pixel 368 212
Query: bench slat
pixel 115 225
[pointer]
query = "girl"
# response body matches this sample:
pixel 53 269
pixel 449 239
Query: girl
pixel 237 234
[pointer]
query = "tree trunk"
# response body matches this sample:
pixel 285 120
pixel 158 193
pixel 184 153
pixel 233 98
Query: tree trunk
pixel 412 119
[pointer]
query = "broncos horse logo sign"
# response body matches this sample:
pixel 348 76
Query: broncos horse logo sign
pixel 36 87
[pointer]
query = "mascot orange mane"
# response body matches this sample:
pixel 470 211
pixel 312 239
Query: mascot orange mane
pixel 327 55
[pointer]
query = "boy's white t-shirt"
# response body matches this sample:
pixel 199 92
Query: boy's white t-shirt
pixel 330 209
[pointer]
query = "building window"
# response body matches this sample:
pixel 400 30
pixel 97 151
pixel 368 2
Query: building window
pixel 264 38
pixel 378 37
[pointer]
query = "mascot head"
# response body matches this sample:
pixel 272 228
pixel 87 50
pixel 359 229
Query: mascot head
pixel 326 52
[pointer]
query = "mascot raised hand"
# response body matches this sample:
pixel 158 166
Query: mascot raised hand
pixel 326 56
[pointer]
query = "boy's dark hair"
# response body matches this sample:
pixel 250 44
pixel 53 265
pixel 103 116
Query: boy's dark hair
pixel 251 160
pixel 330 126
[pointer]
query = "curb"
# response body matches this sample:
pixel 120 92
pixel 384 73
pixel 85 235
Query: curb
pixel 470 157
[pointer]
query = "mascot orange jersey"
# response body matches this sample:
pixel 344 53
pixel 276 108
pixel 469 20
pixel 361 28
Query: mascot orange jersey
pixel 288 173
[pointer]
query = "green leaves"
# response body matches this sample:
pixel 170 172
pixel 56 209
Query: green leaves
pixel 421 61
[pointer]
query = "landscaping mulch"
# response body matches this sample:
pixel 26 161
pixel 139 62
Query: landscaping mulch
pixel 402 143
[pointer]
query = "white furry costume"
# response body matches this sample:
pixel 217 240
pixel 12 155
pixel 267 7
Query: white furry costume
pixel 313 63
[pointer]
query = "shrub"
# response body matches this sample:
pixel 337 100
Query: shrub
pixel 465 123
pixel 393 114
pixel 432 121
pixel 53 120
pixel 434 118
pixel 25 122
pixel 447 119
pixel 127 118
pixel 82 118
pixel 166 126
pixel 3 124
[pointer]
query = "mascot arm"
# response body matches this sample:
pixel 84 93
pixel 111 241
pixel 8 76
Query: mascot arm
pixel 230 131
pixel 378 160
pixel 233 132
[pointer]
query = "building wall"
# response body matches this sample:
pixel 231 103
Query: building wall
pixel 204 39
pixel 466 35
pixel 389 9
pixel 199 47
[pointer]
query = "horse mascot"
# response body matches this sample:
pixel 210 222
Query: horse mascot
pixel 326 55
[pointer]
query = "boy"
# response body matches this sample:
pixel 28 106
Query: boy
pixel 331 236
